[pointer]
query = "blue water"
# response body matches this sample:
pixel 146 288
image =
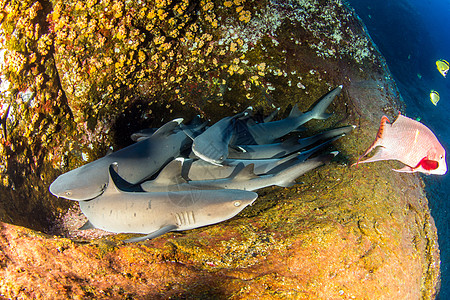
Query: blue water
pixel 412 35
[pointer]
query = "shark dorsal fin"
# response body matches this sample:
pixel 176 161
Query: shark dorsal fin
pixel 295 112
pixel 168 128
pixel 171 173
pixel 246 173
pixel 114 179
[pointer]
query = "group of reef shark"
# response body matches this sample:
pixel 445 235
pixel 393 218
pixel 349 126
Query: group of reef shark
pixel 180 177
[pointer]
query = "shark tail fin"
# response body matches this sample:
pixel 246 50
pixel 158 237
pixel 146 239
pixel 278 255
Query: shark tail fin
pixel 319 110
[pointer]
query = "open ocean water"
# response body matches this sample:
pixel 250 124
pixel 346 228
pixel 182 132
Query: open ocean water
pixel 412 35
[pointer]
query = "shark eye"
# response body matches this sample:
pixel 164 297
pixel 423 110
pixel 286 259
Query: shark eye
pixel 68 193
pixel 237 203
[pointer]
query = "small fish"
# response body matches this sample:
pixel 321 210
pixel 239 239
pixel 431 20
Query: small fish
pixel 155 214
pixel 410 142
pixel 434 97
pixel 442 66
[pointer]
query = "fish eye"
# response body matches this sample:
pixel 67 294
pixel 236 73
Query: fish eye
pixel 237 203
pixel 68 193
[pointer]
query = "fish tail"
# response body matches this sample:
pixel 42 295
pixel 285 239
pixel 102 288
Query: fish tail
pixel 378 139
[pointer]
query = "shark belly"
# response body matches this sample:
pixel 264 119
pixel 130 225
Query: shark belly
pixel 133 215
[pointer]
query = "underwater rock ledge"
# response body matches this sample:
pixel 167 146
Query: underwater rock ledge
pixel 84 76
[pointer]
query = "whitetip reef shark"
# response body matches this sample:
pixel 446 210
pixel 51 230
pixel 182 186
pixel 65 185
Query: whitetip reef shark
pixel 291 145
pixel 268 132
pixel 198 169
pixel 138 162
pixel 170 179
pixel 156 213
pixel 212 145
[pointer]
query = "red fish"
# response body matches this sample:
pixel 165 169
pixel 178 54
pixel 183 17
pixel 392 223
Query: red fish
pixel 410 142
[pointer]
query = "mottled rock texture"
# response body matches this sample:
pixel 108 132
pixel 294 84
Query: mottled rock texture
pixel 84 75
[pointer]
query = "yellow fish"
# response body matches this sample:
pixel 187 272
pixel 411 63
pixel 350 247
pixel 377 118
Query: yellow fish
pixel 442 66
pixel 434 97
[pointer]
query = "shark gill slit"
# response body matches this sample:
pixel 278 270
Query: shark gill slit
pixel 185 218
pixel 178 219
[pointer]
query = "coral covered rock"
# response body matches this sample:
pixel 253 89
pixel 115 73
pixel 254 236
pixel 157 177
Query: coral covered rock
pixel 84 75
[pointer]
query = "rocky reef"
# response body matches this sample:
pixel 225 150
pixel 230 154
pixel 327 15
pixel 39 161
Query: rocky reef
pixel 81 76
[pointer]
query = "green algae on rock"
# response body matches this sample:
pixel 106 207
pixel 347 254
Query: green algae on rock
pixel 97 70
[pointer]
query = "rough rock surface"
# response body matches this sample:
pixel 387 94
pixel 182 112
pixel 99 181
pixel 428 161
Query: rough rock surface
pixel 84 75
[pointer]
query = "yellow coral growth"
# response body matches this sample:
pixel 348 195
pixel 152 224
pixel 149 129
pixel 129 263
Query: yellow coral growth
pixel 245 16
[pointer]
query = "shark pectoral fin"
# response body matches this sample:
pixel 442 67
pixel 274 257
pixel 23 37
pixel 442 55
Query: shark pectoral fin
pixel 152 235
pixel 168 128
pixel 87 225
